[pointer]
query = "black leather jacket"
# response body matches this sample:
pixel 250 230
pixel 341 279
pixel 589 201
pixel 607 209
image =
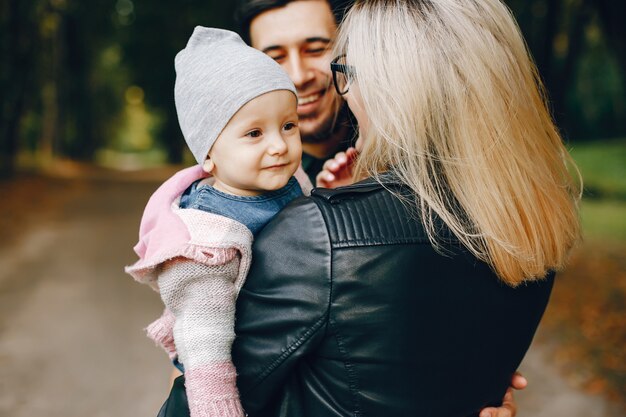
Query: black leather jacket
pixel 349 311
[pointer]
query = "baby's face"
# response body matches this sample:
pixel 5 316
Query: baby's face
pixel 259 149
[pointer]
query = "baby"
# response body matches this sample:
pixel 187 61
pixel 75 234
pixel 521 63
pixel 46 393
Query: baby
pixel 237 111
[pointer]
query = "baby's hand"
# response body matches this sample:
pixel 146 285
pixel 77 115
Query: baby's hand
pixel 337 171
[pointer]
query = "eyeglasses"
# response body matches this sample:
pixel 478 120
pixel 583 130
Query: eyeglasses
pixel 343 74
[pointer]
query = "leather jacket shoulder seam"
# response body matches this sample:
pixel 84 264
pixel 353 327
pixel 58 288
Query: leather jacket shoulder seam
pixel 330 251
pixel 347 243
pixel 350 369
pixel 320 324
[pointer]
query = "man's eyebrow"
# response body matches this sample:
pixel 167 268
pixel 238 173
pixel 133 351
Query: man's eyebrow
pixel 271 48
pixel 307 40
pixel 317 39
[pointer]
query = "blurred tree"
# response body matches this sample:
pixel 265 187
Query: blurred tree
pixel 17 24
pixel 154 33
pixel 612 14
pixel 67 66
pixel 84 31
pixel 49 78
pixel 571 40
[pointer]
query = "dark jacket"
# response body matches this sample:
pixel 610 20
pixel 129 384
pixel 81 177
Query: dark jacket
pixel 349 311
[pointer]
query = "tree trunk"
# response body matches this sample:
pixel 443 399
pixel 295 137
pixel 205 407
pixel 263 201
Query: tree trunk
pixel 17 64
pixel 80 141
pixel 612 14
pixel 551 25
pixel 576 38
pixel 50 99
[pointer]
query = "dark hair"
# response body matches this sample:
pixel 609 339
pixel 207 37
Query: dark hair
pixel 249 9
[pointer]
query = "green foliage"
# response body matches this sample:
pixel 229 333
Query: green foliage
pixel 579 47
pixel 596 104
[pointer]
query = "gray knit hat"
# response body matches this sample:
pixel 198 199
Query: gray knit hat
pixel 216 74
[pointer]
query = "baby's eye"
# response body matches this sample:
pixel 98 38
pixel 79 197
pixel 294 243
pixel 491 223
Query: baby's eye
pixel 254 133
pixel 290 126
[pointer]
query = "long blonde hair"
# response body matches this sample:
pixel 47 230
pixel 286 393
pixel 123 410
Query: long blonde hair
pixel 457 110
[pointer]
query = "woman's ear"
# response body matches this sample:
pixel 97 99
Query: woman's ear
pixel 208 165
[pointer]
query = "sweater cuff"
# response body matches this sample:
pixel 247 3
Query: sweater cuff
pixel 161 331
pixel 212 391
pixel 220 408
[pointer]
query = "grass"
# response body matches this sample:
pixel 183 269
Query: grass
pixel 603 167
pixel 604 220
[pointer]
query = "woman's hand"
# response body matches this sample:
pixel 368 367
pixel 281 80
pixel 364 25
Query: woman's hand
pixel 337 171
pixel 509 406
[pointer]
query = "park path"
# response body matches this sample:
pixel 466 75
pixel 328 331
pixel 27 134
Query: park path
pixel 71 340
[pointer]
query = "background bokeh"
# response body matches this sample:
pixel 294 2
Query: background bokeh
pixel 94 80
pixel 87 112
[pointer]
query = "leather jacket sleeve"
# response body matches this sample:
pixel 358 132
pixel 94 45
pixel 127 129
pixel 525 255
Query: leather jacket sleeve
pixel 282 309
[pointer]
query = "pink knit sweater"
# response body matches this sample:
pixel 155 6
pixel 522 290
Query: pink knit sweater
pixel 198 261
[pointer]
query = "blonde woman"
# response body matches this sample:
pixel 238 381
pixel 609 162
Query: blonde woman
pixel 374 298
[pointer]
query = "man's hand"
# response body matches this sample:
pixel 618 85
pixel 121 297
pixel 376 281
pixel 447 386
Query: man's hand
pixel 337 171
pixel 509 406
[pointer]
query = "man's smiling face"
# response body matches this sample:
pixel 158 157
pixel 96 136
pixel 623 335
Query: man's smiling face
pixel 299 37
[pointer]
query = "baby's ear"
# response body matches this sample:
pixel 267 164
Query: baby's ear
pixel 208 165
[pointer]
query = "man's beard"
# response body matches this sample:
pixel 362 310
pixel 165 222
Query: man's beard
pixel 327 130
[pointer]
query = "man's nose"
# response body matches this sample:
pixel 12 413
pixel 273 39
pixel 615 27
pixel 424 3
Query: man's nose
pixel 299 72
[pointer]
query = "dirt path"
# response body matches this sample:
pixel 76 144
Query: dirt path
pixel 71 342
pixel 551 395
pixel 70 320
